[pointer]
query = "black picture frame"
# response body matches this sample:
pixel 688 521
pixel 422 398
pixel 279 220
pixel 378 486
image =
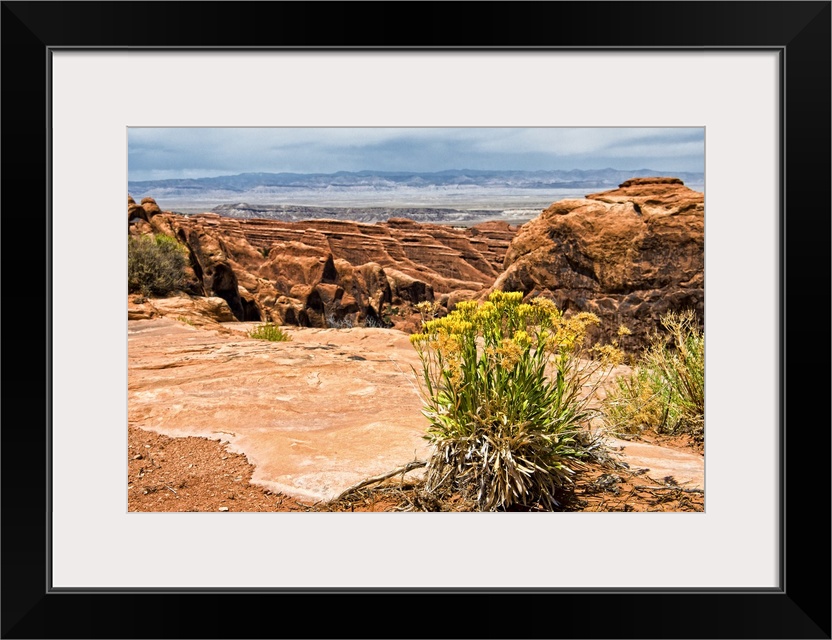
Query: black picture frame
pixel 799 608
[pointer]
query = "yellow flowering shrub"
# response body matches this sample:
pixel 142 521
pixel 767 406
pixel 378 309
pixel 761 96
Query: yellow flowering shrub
pixel 502 383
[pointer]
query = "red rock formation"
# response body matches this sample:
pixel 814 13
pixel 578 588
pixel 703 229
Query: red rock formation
pixel 195 311
pixel 134 210
pixel 144 211
pixel 629 255
pixel 150 208
pixel 443 257
pixel 320 272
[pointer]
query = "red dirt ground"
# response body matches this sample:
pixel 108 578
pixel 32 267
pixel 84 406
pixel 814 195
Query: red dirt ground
pixel 197 474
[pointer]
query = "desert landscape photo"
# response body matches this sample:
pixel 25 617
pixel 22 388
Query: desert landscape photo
pixel 415 320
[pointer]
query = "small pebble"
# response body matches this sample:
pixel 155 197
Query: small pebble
pixel 223 509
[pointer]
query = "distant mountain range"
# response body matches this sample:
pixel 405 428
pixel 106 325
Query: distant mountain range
pixel 274 183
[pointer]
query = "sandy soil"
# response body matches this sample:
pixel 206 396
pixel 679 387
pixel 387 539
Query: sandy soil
pixel 198 474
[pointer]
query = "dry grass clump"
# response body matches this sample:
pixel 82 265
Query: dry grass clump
pixel 270 332
pixel 666 391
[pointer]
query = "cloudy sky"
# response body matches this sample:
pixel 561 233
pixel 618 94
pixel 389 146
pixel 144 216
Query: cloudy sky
pixel 160 153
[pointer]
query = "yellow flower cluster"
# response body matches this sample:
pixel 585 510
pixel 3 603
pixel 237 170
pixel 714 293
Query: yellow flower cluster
pixel 546 305
pixel 523 339
pixel 428 310
pixel 466 309
pixel 542 312
pixel 449 325
pixel 509 353
pixel 420 339
pixel 609 354
pixel 485 314
pixel 451 347
pixel 505 297
pixel 504 330
pixel 569 333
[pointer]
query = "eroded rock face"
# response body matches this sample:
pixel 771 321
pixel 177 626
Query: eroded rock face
pixel 324 273
pixel 629 255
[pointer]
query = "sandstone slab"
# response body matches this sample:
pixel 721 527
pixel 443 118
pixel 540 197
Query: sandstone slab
pixel 314 415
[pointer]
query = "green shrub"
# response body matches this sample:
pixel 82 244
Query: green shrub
pixel 155 264
pixel 503 389
pixel 387 313
pixel 665 392
pixel 270 332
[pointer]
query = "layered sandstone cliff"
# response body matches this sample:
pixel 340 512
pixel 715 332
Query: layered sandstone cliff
pixel 327 272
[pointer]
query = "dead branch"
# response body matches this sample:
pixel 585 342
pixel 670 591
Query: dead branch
pixel 671 488
pixel 401 470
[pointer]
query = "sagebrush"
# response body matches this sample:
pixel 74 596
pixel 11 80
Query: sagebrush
pixel 155 264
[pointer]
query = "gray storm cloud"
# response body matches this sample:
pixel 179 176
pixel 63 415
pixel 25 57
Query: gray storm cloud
pixel 158 153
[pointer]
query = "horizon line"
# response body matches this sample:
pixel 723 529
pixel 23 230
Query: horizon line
pixel 410 171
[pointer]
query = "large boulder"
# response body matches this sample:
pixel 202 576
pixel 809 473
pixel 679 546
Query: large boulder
pixel 629 255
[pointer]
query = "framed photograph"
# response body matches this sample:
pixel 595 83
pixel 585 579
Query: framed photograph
pixel 755 76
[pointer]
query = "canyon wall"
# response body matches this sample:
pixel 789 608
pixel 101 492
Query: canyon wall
pixel 323 273
pixel 628 255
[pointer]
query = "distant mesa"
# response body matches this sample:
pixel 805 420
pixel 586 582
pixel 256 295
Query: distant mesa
pixel 633 182
pixel 628 254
